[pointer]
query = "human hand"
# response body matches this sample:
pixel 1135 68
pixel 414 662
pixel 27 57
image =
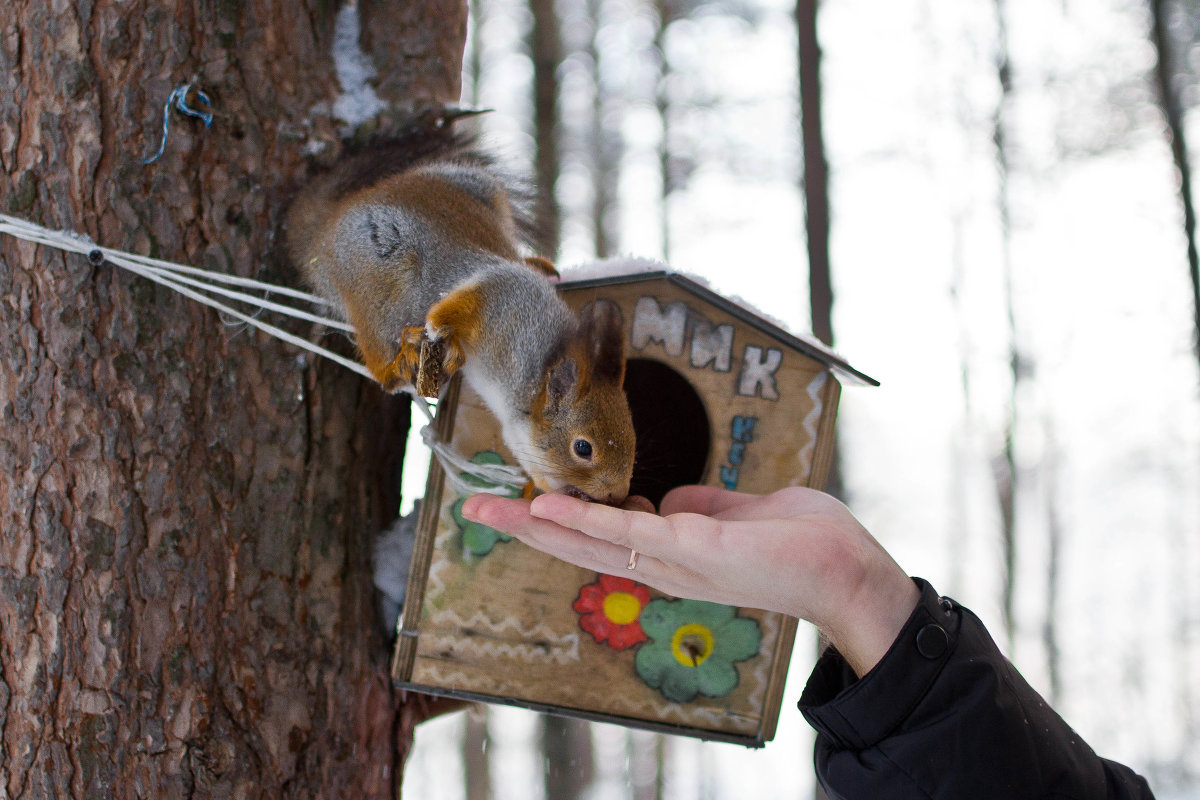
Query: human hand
pixel 796 551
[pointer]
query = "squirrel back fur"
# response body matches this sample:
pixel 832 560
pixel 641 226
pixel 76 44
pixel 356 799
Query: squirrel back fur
pixel 419 239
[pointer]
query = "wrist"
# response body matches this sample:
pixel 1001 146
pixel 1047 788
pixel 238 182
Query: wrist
pixel 872 616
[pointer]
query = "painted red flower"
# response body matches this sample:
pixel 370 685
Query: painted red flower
pixel 609 610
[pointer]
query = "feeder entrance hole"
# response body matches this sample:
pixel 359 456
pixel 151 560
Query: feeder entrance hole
pixel 671 423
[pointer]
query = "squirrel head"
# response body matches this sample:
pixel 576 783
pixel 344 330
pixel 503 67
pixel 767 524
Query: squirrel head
pixel 582 432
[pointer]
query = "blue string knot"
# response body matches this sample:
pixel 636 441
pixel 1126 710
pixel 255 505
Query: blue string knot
pixel 179 98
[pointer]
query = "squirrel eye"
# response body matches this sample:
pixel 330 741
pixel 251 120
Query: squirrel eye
pixel 582 448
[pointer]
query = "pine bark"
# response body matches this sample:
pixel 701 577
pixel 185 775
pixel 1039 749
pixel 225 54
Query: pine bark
pixel 186 508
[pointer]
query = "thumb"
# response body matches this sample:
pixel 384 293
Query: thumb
pixel 636 502
pixel 706 500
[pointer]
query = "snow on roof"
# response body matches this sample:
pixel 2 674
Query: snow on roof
pixel 632 268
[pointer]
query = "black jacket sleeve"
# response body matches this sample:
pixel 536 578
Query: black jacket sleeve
pixel 945 715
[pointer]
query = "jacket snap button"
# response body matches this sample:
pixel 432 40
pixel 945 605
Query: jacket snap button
pixel 932 641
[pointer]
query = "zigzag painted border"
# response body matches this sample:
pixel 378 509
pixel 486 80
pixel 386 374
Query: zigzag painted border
pixel 678 715
pixel 810 421
pixel 762 672
pixel 562 648
pixel 618 704
pixel 435 586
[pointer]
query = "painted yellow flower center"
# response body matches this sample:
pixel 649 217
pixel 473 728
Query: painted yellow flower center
pixel 622 608
pixel 691 644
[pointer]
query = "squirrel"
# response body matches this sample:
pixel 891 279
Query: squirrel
pixel 416 242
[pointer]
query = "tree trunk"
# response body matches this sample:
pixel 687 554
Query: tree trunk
pixel 815 186
pixel 417 47
pixel 477 765
pixel 1172 106
pixel 1004 466
pixel 663 104
pixel 186 509
pixel 816 193
pixel 961 449
pixel 475 53
pixel 604 145
pixel 646 759
pixel 1054 548
pixel 816 172
pixel 567 750
pixel 545 48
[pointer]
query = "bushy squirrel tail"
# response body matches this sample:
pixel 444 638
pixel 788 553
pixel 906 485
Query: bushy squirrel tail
pixel 424 136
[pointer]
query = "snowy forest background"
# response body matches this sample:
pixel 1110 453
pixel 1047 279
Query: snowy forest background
pixel 1009 255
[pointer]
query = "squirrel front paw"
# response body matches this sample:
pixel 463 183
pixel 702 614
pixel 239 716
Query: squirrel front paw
pixel 452 355
pixel 399 373
pixel 441 355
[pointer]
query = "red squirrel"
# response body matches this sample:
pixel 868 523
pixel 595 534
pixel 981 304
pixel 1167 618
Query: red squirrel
pixel 419 239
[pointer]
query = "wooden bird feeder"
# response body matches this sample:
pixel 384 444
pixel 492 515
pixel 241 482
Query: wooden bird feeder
pixel 719 396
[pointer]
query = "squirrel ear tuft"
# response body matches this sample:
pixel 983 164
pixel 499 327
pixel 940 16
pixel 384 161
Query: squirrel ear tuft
pixel 602 333
pixel 561 383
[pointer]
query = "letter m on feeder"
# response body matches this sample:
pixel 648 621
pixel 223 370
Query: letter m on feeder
pixel 720 396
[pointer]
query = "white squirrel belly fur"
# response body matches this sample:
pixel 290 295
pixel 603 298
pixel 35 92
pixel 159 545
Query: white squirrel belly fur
pixel 514 426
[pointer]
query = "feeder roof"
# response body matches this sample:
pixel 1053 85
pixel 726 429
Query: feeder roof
pixel 808 345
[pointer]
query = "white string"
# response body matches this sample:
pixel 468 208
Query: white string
pixel 78 243
pixel 265 327
pixel 248 298
pixel 500 479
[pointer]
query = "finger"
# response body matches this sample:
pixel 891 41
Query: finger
pixel 707 500
pixel 512 517
pixel 599 555
pixel 603 522
pixel 488 509
pixel 674 540
pixel 636 502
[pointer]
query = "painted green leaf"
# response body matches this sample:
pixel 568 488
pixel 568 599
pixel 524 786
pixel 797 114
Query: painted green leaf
pixel 693 648
pixel 478 540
